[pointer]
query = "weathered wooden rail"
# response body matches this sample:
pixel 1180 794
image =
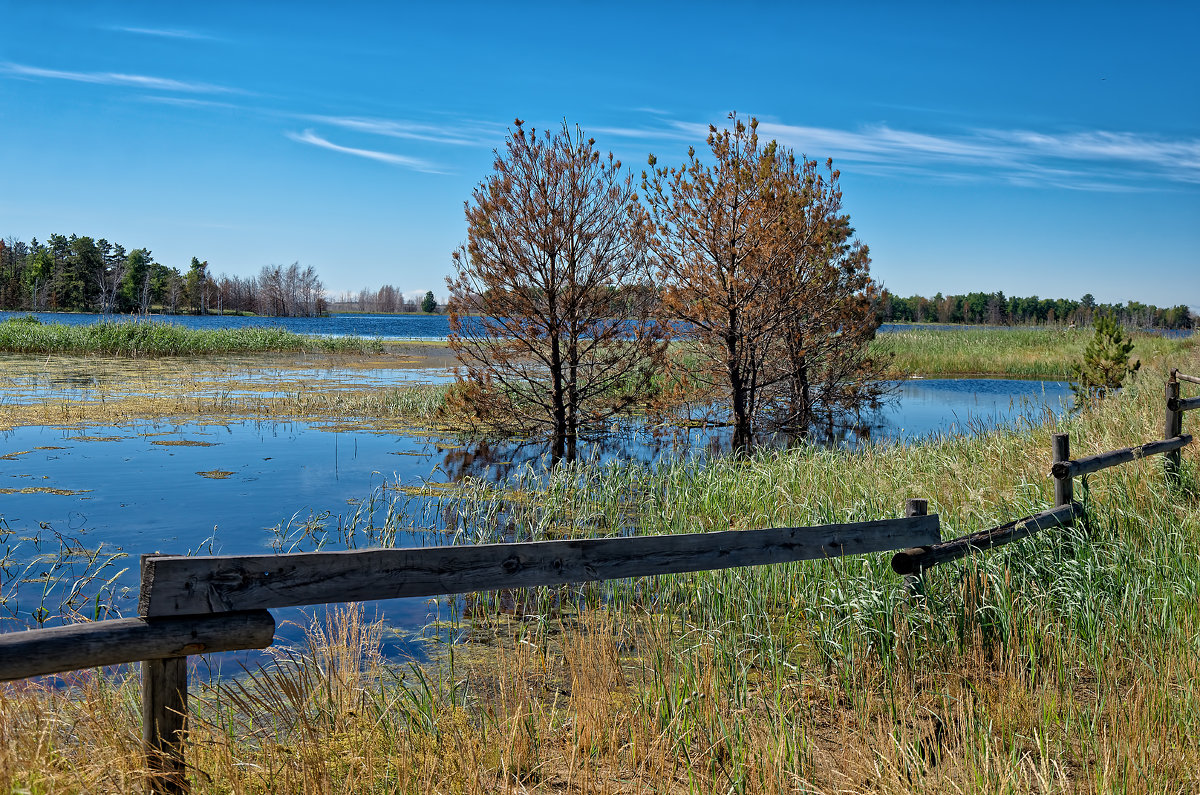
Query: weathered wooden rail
pixel 1064 469
pixel 1095 463
pixel 201 605
pixel 916 560
pixel 126 640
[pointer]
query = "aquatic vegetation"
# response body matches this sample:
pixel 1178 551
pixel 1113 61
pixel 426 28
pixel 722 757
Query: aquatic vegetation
pixel 183 443
pixel 164 339
pixel 70 390
pixel 1038 352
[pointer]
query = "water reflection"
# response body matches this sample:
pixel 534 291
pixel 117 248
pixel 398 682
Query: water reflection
pixel 922 408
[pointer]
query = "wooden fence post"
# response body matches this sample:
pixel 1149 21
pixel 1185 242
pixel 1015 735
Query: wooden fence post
pixel 164 718
pixel 1172 427
pixel 1064 488
pixel 164 721
pixel 916 582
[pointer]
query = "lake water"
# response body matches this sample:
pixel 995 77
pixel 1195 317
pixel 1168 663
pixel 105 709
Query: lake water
pixel 384 327
pixel 71 498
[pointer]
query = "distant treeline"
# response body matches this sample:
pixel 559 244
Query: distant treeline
pixel 79 274
pixel 387 299
pixel 996 310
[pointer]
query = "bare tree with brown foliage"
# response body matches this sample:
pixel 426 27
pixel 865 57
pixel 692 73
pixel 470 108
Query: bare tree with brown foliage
pixel 756 258
pixel 713 229
pixel 540 313
pixel 829 304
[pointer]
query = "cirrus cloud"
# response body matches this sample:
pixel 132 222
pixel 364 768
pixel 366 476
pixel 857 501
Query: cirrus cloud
pixel 117 79
pixel 416 164
pixel 1096 160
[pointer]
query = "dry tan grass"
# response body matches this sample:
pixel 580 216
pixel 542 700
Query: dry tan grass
pixel 1066 664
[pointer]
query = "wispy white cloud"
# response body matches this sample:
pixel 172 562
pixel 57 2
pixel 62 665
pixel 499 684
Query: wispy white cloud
pixel 117 79
pixel 1087 161
pixel 416 164
pixel 1182 156
pixel 675 131
pixel 454 135
pixel 456 132
pixel 190 102
pixel 165 33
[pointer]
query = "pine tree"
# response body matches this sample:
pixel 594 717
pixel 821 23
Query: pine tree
pixel 1105 364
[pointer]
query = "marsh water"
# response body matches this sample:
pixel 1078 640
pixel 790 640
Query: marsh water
pixel 73 498
pixel 79 504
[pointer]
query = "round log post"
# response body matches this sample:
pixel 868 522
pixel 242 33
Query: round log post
pixel 1171 428
pixel 915 583
pixel 1064 488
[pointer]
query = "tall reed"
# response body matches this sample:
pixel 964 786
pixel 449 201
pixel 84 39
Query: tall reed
pixel 163 339
pixel 1018 352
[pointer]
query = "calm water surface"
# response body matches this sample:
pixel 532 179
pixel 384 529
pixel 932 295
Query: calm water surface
pixel 387 327
pixel 253 487
pixel 72 499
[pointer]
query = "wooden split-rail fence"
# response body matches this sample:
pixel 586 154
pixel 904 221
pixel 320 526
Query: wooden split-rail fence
pixel 201 605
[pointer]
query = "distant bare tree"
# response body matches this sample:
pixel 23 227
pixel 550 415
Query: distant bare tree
pixel 110 274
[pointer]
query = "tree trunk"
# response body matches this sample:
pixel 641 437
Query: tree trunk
pixel 558 389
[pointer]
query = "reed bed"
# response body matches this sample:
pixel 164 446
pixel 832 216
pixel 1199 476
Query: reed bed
pixel 146 339
pixel 1064 663
pixel 1041 352
pixel 107 390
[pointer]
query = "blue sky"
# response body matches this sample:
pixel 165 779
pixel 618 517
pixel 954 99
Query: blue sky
pixel 1049 149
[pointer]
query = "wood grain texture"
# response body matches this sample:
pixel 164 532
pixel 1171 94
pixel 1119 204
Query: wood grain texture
pixel 47 651
pixel 1172 427
pixel 1095 463
pixel 913 561
pixel 1184 404
pixel 187 585
pixel 1189 378
pixel 1064 487
pixel 164 722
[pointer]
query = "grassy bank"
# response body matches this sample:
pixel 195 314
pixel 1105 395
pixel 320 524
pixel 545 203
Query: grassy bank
pixel 1063 663
pixel 21 335
pixel 1020 353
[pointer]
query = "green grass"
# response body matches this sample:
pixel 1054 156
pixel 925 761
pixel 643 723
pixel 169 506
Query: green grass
pixel 19 335
pixel 1018 352
pixel 1063 663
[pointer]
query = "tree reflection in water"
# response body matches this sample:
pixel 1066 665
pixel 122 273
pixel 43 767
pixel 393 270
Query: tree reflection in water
pixel 641 441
